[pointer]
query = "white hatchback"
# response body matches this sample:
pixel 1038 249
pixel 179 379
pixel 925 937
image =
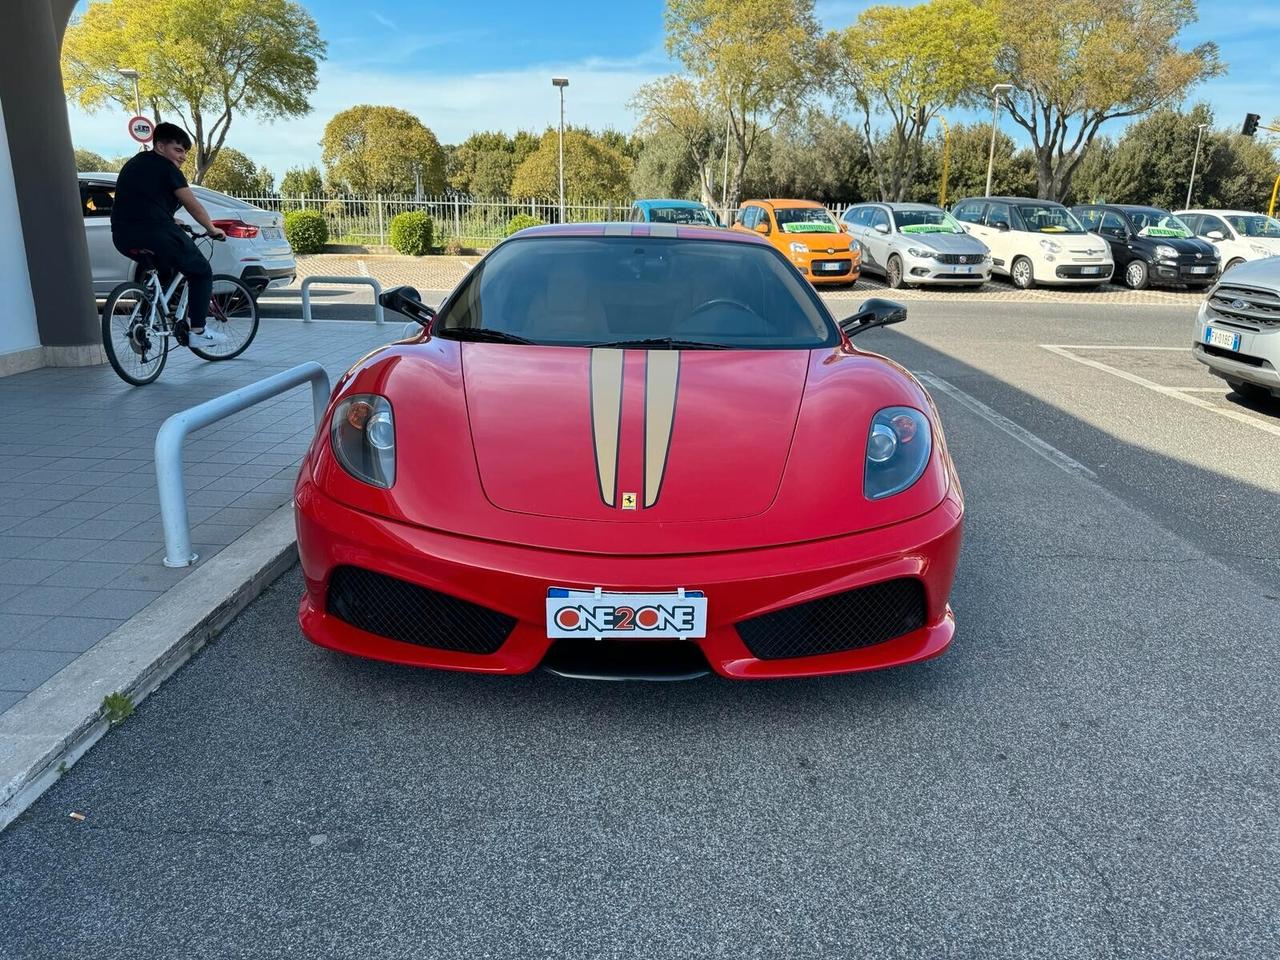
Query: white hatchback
pixel 255 251
pixel 1240 236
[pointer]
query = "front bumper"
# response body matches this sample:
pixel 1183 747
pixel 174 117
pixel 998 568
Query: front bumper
pixel 513 581
pixel 1084 272
pixel 921 270
pixel 1256 361
pixel 828 268
pixel 1183 270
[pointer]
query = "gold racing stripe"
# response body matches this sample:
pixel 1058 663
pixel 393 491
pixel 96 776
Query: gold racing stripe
pixel 606 418
pixel 661 382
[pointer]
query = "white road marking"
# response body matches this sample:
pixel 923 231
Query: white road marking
pixel 1175 393
pixel 1003 423
pixel 1109 346
pixel 363 268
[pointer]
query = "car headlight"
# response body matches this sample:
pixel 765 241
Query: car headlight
pixel 363 436
pixel 1051 246
pixel 1166 252
pixel 897 451
pixel 798 247
pixel 921 254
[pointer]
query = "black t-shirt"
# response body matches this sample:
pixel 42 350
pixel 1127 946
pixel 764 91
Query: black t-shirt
pixel 144 192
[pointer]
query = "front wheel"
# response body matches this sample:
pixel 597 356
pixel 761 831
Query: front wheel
pixel 893 273
pixel 233 312
pixel 1136 275
pixel 1233 264
pixel 1020 273
pixel 136 351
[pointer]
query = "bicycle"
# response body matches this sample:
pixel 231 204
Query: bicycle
pixel 141 316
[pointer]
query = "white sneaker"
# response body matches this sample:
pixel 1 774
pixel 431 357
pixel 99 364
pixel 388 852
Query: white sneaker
pixel 207 337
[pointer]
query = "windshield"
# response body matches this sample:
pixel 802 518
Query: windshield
pixel 1151 222
pixel 1256 225
pixel 599 291
pixel 805 220
pixel 926 221
pixel 698 215
pixel 1048 218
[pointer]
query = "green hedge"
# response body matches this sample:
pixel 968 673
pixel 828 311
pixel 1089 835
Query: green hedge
pixel 411 233
pixel 306 230
pixel 520 221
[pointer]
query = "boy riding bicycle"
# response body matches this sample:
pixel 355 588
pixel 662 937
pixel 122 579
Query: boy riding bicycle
pixel 149 189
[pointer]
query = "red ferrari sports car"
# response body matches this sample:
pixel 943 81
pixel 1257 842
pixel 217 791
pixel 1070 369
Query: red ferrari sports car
pixel 631 450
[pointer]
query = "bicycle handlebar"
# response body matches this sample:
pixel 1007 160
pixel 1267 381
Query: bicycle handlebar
pixel 197 236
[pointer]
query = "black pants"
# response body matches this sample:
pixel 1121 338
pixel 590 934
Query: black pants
pixel 172 250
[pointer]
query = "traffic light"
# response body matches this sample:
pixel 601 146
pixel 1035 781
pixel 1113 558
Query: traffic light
pixel 1250 124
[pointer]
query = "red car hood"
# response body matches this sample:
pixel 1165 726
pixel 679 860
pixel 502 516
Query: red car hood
pixel 632 435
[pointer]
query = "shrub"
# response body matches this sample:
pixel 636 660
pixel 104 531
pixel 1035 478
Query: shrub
pixel 520 221
pixel 454 247
pixel 411 233
pixel 306 230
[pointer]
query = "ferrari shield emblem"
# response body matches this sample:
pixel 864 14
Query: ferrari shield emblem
pixel 628 501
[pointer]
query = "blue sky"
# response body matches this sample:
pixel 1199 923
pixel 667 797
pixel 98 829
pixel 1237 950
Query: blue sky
pixel 463 66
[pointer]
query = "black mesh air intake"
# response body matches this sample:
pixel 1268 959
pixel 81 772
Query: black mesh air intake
pixel 845 621
pixel 409 613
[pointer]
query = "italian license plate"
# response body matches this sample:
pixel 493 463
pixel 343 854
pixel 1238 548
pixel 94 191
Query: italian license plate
pixel 271 233
pixel 598 614
pixel 1222 338
pixel 1089 271
pixel 1201 269
pixel 830 267
pixel 964 269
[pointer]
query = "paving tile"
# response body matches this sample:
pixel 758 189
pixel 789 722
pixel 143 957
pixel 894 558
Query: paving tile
pixel 103 528
pixel 112 602
pixel 84 509
pixel 84 573
pixel 46 526
pixel 15 626
pixel 43 600
pixel 219 533
pixel 24 670
pixel 241 515
pixel 11 698
pixel 25 507
pixel 76 634
pixel 28 572
pixel 122 551
pixel 148 576
pixel 60 548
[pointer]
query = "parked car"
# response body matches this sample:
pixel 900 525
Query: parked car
pixel 915 243
pixel 1036 241
pixel 673 211
pixel 807 235
pixel 1151 246
pixel 1238 329
pixel 1238 235
pixel 255 250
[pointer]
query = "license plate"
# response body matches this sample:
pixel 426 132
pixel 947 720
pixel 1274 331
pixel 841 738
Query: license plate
pixel 831 267
pixel 1222 338
pixel 271 233
pixel 964 269
pixel 1085 271
pixel 598 614
pixel 1201 269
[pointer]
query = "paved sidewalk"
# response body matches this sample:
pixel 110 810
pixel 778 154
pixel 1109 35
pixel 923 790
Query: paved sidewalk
pixel 80 535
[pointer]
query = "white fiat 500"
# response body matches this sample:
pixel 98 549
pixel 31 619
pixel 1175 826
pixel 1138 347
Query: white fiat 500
pixel 1238 329
pixel 1238 235
pixel 1036 241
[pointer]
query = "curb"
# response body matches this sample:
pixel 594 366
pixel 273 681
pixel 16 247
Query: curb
pixel 46 733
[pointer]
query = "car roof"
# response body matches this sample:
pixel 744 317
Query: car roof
pixel 665 231
pixel 1013 200
pixel 681 204
pixel 785 204
pixel 95 175
pixel 1222 213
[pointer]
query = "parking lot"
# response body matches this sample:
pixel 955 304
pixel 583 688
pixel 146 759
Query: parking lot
pixel 1089 772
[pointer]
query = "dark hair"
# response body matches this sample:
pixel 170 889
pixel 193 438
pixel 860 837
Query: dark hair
pixel 172 133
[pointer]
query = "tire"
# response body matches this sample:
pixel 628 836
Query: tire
pixel 1020 272
pixel 135 356
pixel 1234 263
pixel 893 272
pixel 233 311
pixel 1137 276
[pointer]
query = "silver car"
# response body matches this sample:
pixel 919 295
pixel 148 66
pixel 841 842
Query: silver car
pixel 1238 329
pixel 915 243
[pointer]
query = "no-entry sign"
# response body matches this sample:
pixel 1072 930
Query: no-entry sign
pixel 141 129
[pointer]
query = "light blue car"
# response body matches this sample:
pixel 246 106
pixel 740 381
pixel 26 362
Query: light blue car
pixel 673 211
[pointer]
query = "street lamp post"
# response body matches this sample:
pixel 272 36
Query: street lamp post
pixel 130 74
pixel 996 91
pixel 1194 160
pixel 561 82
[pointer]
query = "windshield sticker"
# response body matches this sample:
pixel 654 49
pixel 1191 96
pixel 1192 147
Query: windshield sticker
pixel 926 228
pixel 810 227
pixel 1164 232
pixel 1053 228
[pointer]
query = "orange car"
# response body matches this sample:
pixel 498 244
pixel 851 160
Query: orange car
pixel 807 235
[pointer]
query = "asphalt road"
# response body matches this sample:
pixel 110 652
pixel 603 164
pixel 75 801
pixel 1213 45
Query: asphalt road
pixel 1090 771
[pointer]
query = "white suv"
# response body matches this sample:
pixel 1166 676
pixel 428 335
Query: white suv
pixel 1238 329
pixel 1239 235
pixel 1036 241
pixel 256 250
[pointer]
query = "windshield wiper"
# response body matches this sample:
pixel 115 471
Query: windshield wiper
pixel 483 335
pixel 667 342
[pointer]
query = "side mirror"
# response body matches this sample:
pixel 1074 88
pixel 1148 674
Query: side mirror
pixel 881 228
pixel 873 313
pixel 762 226
pixel 1215 235
pixel 1001 226
pixel 407 301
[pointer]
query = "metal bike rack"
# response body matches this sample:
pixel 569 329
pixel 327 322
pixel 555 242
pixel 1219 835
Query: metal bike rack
pixel 377 294
pixel 174 431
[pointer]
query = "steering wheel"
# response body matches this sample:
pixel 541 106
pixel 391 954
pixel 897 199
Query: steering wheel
pixel 724 301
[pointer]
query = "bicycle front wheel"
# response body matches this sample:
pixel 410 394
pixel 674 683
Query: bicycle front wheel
pixel 137 352
pixel 232 312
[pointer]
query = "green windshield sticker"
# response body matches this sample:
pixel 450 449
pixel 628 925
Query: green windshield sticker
pixel 1163 232
pixel 927 228
pixel 810 227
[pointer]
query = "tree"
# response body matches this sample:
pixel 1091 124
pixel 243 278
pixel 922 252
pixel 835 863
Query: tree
pixel 199 60
pixel 378 149
pixel 1013 172
pixel 302 182
pixel 909 63
pixel 812 155
pixel 485 163
pixel 592 171
pixel 747 60
pixel 89 162
pixel 233 172
pixel 676 107
pixel 1079 65
pixel 665 168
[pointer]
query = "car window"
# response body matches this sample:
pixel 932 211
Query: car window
pixel 926 221
pixel 1154 222
pixel 1112 225
pixel 96 199
pixel 805 220
pixel 1048 218
pixel 1256 225
pixel 970 211
pixel 1192 220
pixel 855 216
pixel 636 215
pixel 1090 217
pixel 695 215
pixel 748 216
pixel 878 217
pixel 997 213
pixel 1209 224
pixel 579 291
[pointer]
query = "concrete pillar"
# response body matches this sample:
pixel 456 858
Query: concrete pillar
pixel 44 175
